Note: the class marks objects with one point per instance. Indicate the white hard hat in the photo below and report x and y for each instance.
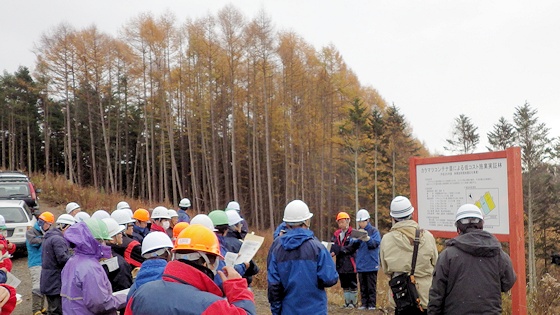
(233, 205)
(156, 240)
(160, 212)
(66, 219)
(129, 211)
(2, 221)
(468, 211)
(296, 211)
(401, 207)
(185, 203)
(362, 215)
(172, 213)
(203, 219)
(123, 205)
(81, 216)
(122, 216)
(113, 226)
(71, 207)
(100, 214)
(233, 217)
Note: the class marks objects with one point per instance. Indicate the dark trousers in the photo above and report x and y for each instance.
(55, 305)
(348, 281)
(368, 288)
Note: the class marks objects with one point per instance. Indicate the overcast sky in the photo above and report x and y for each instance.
(434, 60)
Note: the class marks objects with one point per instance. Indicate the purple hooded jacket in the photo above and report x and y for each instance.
(85, 286)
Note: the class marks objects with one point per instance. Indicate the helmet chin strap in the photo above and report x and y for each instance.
(196, 256)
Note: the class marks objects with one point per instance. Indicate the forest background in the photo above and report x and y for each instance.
(226, 108)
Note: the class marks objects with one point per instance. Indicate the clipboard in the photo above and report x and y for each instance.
(357, 233)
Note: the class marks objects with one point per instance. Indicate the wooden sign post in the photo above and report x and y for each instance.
(492, 181)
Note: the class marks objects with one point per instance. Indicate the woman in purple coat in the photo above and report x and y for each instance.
(85, 286)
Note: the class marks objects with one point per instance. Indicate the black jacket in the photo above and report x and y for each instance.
(470, 275)
(55, 254)
(345, 251)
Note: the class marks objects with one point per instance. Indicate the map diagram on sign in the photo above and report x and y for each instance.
(486, 200)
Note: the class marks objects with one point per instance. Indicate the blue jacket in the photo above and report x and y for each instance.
(240, 268)
(139, 233)
(183, 216)
(279, 228)
(299, 270)
(56, 253)
(367, 256)
(151, 270)
(34, 242)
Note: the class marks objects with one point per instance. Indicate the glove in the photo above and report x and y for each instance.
(364, 238)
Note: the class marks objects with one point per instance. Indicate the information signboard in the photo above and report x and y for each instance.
(442, 188)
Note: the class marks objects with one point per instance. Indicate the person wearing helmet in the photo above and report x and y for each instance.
(367, 260)
(234, 205)
(85, 286)
(174, 220)
(100, 214)
(121, 276)
(81, 216)
(130, 248)
(123, 205)
(72, 208)
(395, 250)
(160, 219)
(156, 249)
(6, 247)
(232, 243)
(472, 270)
(344, 248)
(55, 254)
(187, 285)
(299, 267)
(140, 229)
(204, 220)
(177, 229)
(184, 206)
(33, 242)
(220, 221)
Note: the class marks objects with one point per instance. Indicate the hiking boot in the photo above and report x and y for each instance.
(371, 308)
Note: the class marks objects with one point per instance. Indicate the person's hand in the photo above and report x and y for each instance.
(4, 296)
(228, 273)
(363, 238)
(332, 254)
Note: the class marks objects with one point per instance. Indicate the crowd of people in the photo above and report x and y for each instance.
(164, 262)
(466, 278)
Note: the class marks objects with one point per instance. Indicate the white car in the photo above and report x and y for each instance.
(18, 220)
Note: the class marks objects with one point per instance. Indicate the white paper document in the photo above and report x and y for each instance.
(251, 245)
(125, 292)
(327, 245)
(12, 280)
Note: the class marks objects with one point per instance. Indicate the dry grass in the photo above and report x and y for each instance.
(58, 191)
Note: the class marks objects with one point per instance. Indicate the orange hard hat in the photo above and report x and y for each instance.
(178, 228)
(47, 217)
(141, 215)
(198, 238)
(342, 215)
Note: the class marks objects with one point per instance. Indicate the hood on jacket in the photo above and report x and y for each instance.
(477, 243)
(52, 232)
(83, 241)
(408, 230)
(295, 237)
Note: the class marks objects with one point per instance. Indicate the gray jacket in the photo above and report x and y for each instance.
(470, 275)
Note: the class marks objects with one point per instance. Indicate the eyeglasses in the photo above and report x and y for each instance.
(470, 220)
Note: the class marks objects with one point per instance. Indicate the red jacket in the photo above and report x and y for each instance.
(8, 308)
(186, 290)
(7, 263)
